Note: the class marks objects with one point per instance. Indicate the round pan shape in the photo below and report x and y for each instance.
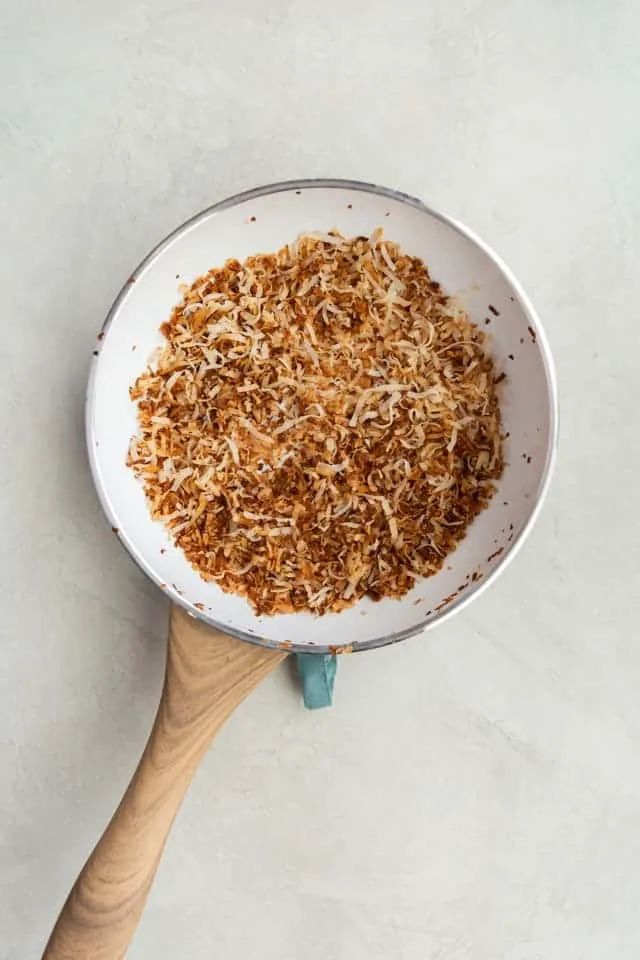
(263, 220)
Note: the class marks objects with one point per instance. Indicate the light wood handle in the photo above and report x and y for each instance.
(207, 675)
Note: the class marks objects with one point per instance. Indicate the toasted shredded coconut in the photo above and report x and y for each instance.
(322, 424)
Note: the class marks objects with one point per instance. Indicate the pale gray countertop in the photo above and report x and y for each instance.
(474, 793)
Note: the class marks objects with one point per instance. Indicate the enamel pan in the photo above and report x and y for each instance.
(263, 220)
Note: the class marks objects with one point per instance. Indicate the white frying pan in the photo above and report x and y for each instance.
(207, 673)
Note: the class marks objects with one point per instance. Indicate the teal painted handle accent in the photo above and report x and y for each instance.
(317, 675)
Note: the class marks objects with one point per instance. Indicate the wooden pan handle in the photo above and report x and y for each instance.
(207, 675)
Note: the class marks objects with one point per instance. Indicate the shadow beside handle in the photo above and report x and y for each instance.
(207, 675)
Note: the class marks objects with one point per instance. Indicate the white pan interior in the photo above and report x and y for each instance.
(261, 221)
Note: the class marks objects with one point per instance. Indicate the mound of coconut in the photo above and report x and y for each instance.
(322, 424)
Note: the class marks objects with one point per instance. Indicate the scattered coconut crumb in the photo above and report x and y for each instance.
(321, 425)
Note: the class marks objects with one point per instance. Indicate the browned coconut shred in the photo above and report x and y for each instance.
(321, 425)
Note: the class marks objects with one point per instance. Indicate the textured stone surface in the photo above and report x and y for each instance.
(474, 793)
